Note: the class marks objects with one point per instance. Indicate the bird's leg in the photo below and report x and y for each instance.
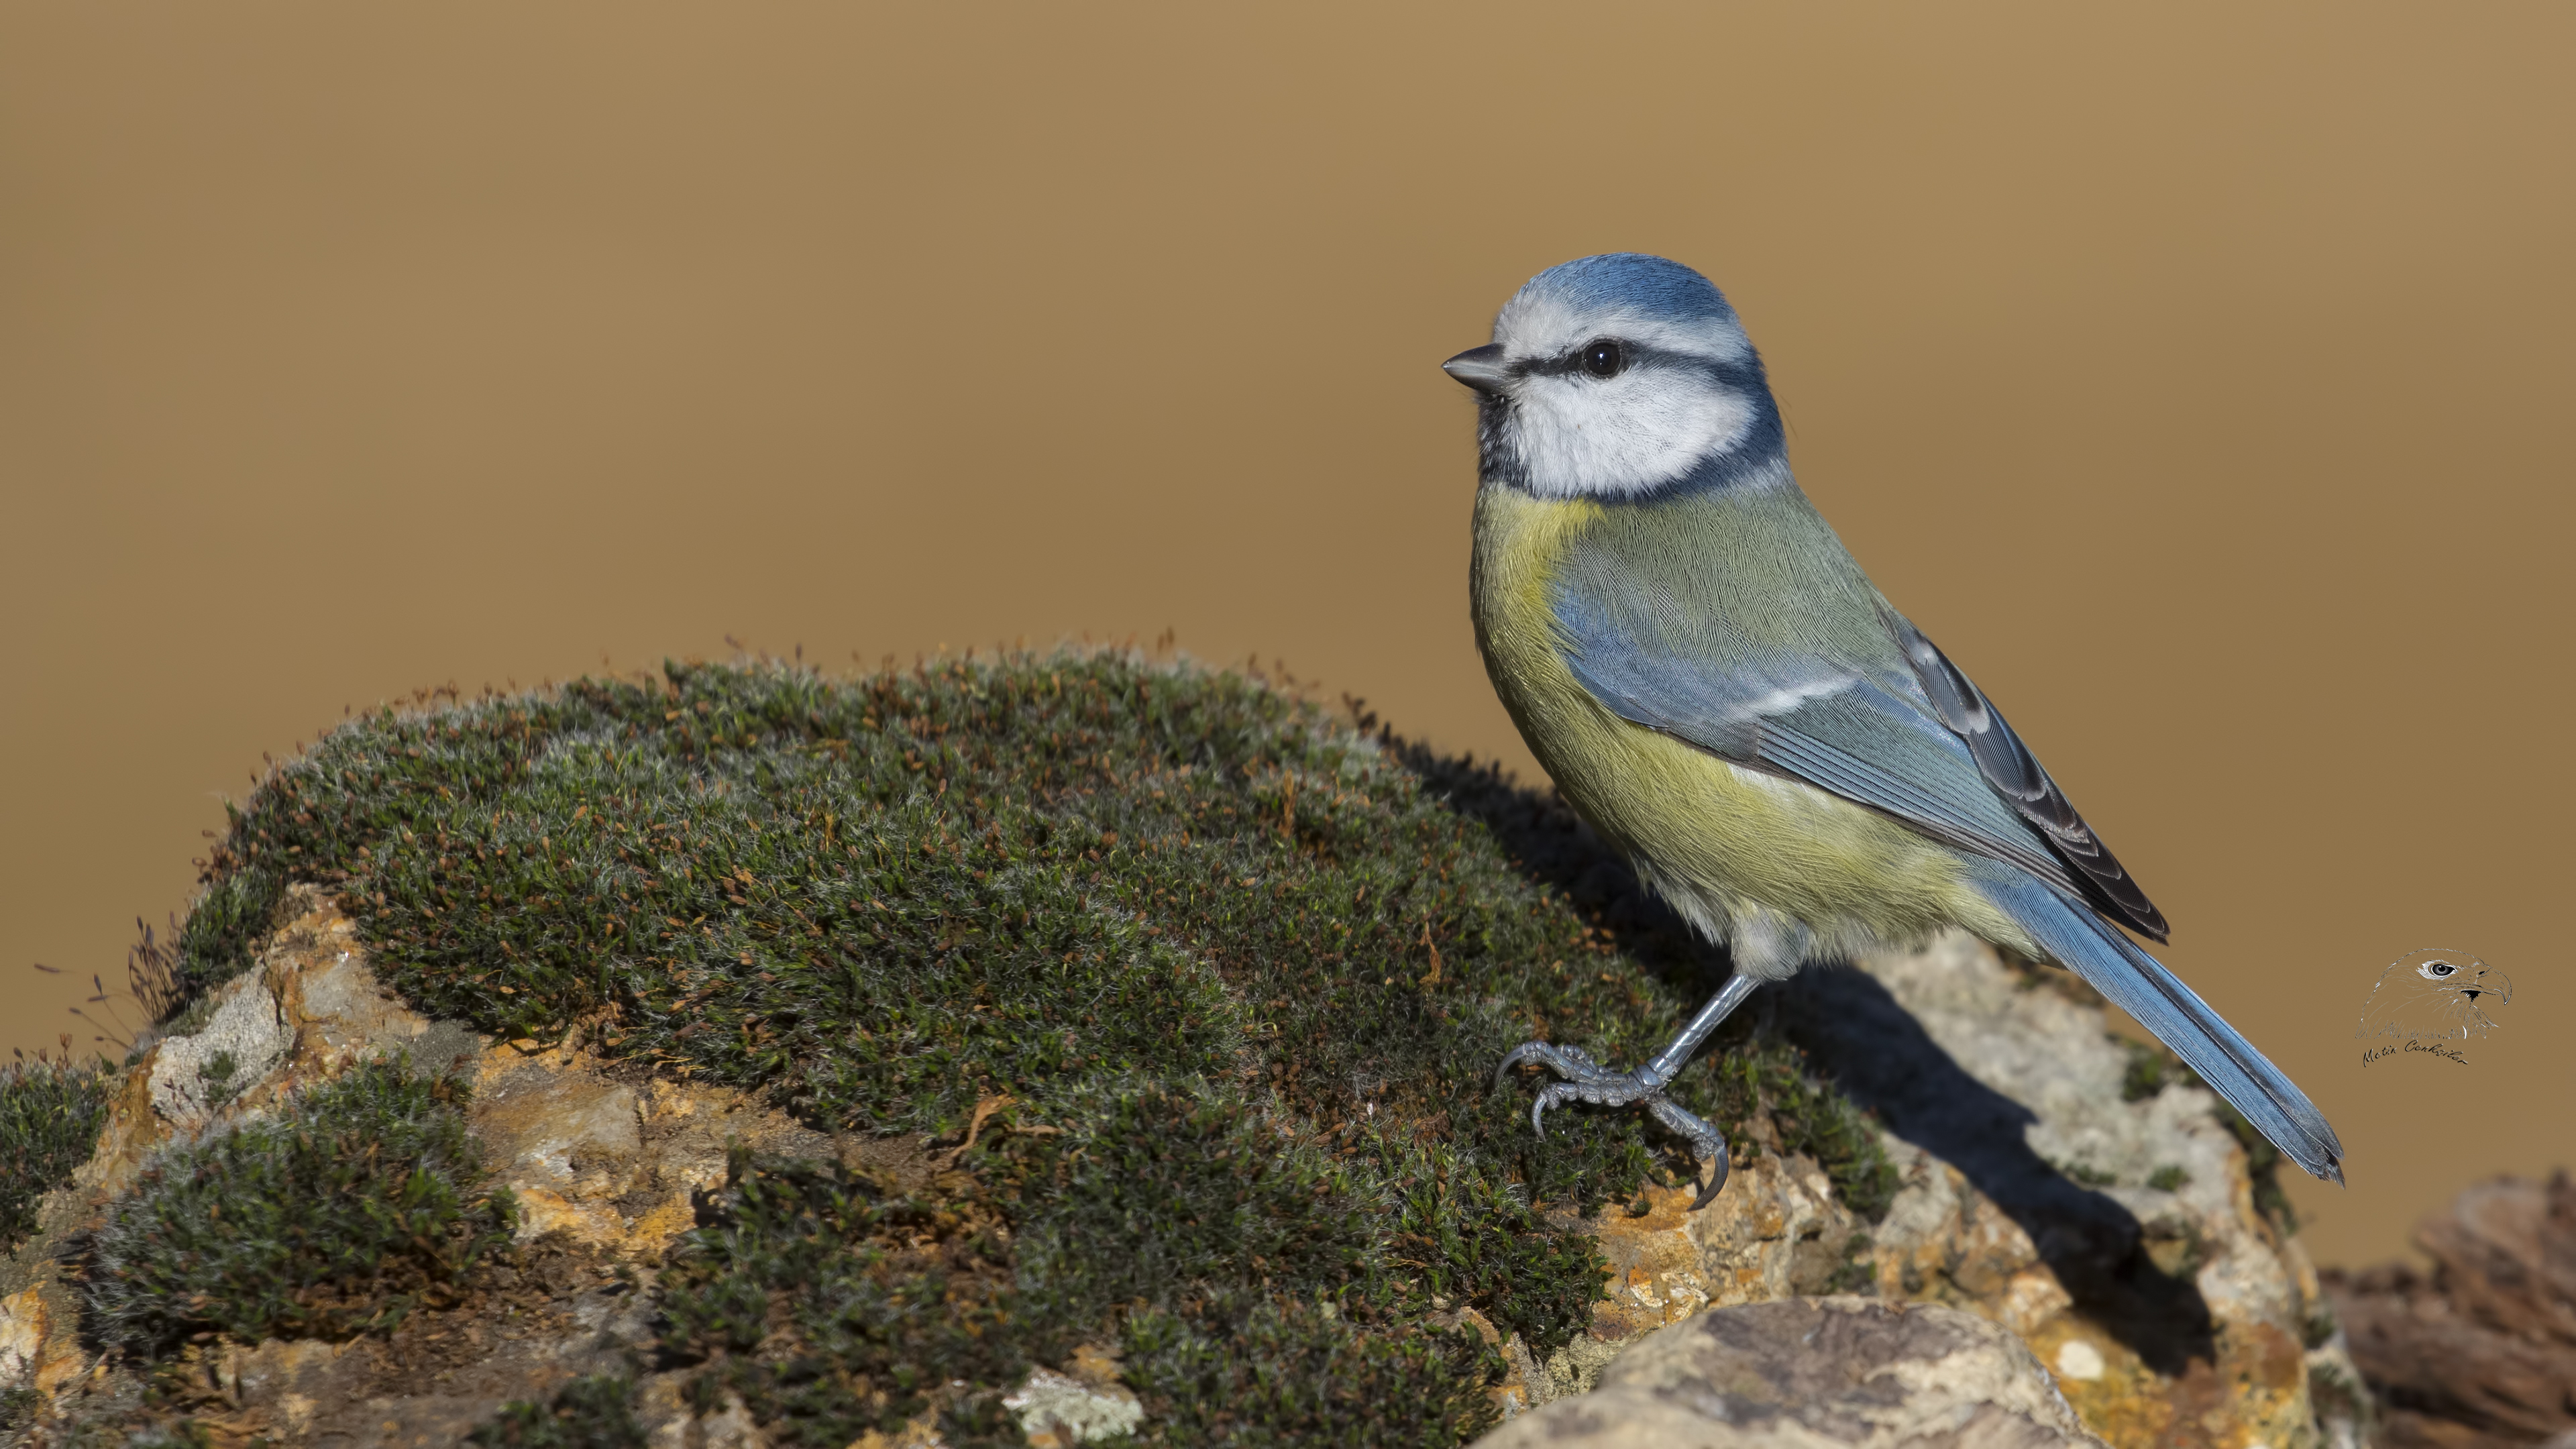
(1588, 1081)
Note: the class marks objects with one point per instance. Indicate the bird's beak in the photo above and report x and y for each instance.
(1480, 368)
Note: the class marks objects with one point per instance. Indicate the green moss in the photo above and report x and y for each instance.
(218, 1077)
(238, 906)
(833, 1307)
(50, 1115)
(2169, 1178)
(2148, 1071)
(1227, 947)
(1858, 1271)
(2262, 1166)
(1268, 1371)
(337, 1216)
(1758, 1076)
(2084, 1174)
(2152, 1068)
(596, 1411)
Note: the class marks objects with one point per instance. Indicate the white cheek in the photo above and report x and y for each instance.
(1623, 436)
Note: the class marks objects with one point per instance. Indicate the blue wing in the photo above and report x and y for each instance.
(2139, 984)
(1885, 721)
(1869, 710)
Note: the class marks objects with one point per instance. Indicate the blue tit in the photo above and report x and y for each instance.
(1722, 694)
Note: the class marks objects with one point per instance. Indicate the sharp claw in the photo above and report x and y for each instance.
(1706, 1145)
(1716, 1180)
(1588, 1081)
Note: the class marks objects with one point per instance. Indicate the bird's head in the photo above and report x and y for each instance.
(1620, 376)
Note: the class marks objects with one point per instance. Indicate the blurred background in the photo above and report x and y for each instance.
(2196, 374)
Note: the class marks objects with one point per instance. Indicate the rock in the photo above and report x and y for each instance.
(2482, 1350)
(1057, 1411)
(606, 1163)
(605, 1173)
(1810, 1373)
(23, 1322)
(2118, 1238)
(236, 1048)
(261, 1021)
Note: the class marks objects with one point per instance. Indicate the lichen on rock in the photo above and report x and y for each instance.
(2034, 1192)
(1813, 1373)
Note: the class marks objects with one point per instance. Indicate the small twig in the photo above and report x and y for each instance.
(983, 1109)
(975, 1126)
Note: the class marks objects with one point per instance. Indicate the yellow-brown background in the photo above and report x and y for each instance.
(2198, 375)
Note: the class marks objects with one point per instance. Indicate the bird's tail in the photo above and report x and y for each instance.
(2141, 986)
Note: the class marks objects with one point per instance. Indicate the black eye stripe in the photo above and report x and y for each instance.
(1743, 376)
(1633, 357)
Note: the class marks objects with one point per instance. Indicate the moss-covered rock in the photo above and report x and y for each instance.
(50, 1115)
(882, 902)
(1197, 989)
(356, 1203)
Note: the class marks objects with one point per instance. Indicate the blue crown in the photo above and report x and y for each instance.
(1635, 280)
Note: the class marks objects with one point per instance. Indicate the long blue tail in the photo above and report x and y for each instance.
(2141, 986)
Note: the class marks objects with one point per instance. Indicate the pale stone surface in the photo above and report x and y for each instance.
(1056, 1411)
(246, 1027)
(1819, 1373)
(602, 1164)
(2026, 1199)
(23, 1320)
(729, 1427)
(608, 1165)
(2172, 1315)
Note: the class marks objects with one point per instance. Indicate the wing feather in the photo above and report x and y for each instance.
(1893, 725)
(2017, 776)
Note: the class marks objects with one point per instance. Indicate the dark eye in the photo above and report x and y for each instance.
(2439, 968)
(1605, 358)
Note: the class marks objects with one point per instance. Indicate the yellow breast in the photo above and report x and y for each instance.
(1745, 855)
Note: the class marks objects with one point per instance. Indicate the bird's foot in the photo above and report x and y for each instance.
(1586, 1080)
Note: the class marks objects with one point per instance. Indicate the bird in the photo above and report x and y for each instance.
(1716, 687)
